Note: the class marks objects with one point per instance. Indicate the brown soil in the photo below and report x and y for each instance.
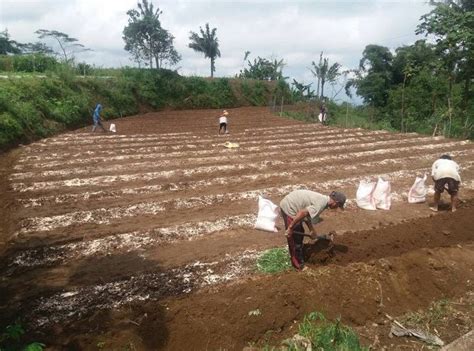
(152, 260)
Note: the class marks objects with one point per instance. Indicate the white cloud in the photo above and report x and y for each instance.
(294, 30)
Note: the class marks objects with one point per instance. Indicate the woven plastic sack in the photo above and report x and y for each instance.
(112, 128)
(382, 194)
(365, 195)
(267, 215)
(417, 193)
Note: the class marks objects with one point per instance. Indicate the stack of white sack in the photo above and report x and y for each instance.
(374, 195)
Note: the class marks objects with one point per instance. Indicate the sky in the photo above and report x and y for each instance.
(293, 30)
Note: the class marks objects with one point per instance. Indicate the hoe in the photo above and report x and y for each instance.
(329, 236)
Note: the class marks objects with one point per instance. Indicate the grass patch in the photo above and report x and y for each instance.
(324, 335)
(327, 335)
(274, 261)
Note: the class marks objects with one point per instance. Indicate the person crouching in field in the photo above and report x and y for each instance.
(445, 174)
(96, 118)
(305, 206)
(223, 122)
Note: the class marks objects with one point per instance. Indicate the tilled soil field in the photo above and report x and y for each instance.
(144, 240)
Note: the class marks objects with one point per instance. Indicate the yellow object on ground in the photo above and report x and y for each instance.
(230, 145)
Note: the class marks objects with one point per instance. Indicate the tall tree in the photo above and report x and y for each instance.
(69, 46)
(207, 44)
(325, 73)
(419, 55)
(145, 38)
(374, 77)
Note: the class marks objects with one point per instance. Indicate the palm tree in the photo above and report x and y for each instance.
(325, 73)
(207, 44)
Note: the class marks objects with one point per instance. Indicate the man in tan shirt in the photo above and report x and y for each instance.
(305, 206)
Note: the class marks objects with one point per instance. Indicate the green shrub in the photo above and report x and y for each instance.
(10, 129)
(255, 92)
(6, 63)
(33, 63)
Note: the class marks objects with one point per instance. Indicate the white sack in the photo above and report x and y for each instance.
(418, 191)
(320, 117)
(382, 194)
(112, 128)
(364, 197)
(267, 215)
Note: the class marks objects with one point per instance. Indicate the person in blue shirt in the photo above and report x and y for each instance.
(97, 119)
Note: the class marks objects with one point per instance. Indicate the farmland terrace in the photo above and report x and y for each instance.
(145, 237)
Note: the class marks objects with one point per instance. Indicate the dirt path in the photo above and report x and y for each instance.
(146, 237)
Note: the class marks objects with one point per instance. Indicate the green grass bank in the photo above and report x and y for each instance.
(36, 106)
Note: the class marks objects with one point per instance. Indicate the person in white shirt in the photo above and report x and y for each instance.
(223, 122)
(445, 174)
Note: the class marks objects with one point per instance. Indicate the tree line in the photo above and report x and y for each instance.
(425, 86)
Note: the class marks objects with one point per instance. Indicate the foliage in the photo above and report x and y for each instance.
(256, 92)
(424, 87)
(68, 45)
(274, 261)
(11, 340)
(374, 76)
(452, 25)
(36, 48)
(27, 63)
(301, 90)
(84, 69)
(146, 39)
(8, 46)
(207, 43)
(264, 69)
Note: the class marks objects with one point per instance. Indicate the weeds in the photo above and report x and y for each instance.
(11, 340)
(274, 261)
(327, 335)
(435, 314)
(324, 335)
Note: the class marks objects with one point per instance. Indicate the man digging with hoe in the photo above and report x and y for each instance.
(305, 206)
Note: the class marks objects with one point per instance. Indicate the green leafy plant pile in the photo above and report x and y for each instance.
(274, 261)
